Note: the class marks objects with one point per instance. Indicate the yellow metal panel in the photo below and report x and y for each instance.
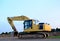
(47, 27)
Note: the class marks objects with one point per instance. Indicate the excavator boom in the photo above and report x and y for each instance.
(16, 18)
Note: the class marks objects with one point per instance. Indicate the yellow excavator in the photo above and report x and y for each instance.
(31, 29)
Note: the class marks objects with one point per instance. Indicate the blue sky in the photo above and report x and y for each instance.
(47, 11)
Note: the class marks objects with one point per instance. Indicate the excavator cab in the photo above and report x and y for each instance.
(27, 24)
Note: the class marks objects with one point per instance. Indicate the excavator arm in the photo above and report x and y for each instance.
(16, 18)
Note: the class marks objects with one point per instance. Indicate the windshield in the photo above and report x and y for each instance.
(27, 24)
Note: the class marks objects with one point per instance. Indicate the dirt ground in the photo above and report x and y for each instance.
(16, 39)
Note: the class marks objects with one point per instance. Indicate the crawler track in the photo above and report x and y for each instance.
(32, 35)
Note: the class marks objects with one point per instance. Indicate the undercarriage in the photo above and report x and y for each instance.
(33, 35)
